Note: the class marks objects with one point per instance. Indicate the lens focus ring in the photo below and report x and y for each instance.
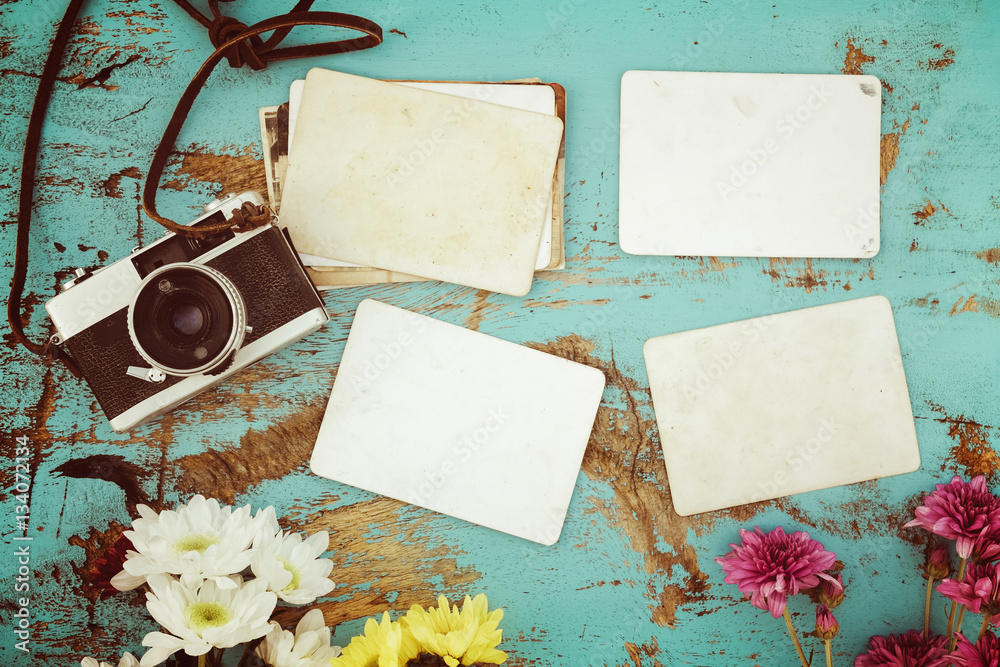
(187, 319)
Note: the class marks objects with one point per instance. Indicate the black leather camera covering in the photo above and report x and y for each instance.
(267, 274)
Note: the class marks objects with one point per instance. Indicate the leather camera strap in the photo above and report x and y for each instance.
(241, 46)
(26, 195)
(233, 40)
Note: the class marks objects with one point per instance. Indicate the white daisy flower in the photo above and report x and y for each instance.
(204, 617)
(200, 540)
(308, 647)
(292, 567)
(128, 660)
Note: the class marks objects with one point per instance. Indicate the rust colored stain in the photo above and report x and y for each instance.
(806, 277)
(398, 32)
(889, 150)
(969, 306)
(235, 173)
(94, 547)
(112, 185)
(947, 59)
(382, 559)
(261, 455)
(622, 455)
(481, 306)
(913, 246)
(972, 453)
(889, 153)
(992, 255)
(643, 655)
(707, 265)
(855, 59)
(559, 304)
(924, 213)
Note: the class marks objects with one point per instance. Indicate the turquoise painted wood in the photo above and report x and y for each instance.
(629, 583)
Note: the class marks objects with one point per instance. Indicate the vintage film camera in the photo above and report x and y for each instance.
(182, 314)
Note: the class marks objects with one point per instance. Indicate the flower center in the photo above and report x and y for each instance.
(203, 615)
(195, 542)
(296, 576)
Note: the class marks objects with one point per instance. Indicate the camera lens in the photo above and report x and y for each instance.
(187, 319)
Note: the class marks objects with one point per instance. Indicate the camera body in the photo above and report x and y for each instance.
(182, 314)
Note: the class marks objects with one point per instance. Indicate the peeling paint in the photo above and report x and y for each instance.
(947, 59)
(261, 455)
(972, 453)
(922, 214)
(112, 185)
(991, 255)
(855, 59)
(806, 277)
(235, 170)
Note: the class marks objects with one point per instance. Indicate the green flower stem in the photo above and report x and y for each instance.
(795, 639)
(982, 628)
(954, 605)
(829, 654)
(927, 609)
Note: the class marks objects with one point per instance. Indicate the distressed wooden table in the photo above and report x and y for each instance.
(630, 582)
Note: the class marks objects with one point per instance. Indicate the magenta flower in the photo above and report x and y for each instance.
(984, 653)
(988, 545)
(979, 590)
(909, 650)
(826, 625)
(768, 567)
(938, 565)
(962, 511)
(831, 591)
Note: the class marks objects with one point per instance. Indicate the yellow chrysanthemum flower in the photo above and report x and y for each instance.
(382, 645)
(462, 637)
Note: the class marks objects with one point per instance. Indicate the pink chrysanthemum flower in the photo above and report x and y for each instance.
(984, 653)
(909, 650)
(938, 565)
(768, 567)
(959, 510)
(826, 625)
(988, 545)
(979, 590)
(831, 591)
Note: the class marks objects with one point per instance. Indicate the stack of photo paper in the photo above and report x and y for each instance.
(405, 181)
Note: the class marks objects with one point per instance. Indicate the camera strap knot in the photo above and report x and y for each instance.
(250, 216)
(223, 29)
